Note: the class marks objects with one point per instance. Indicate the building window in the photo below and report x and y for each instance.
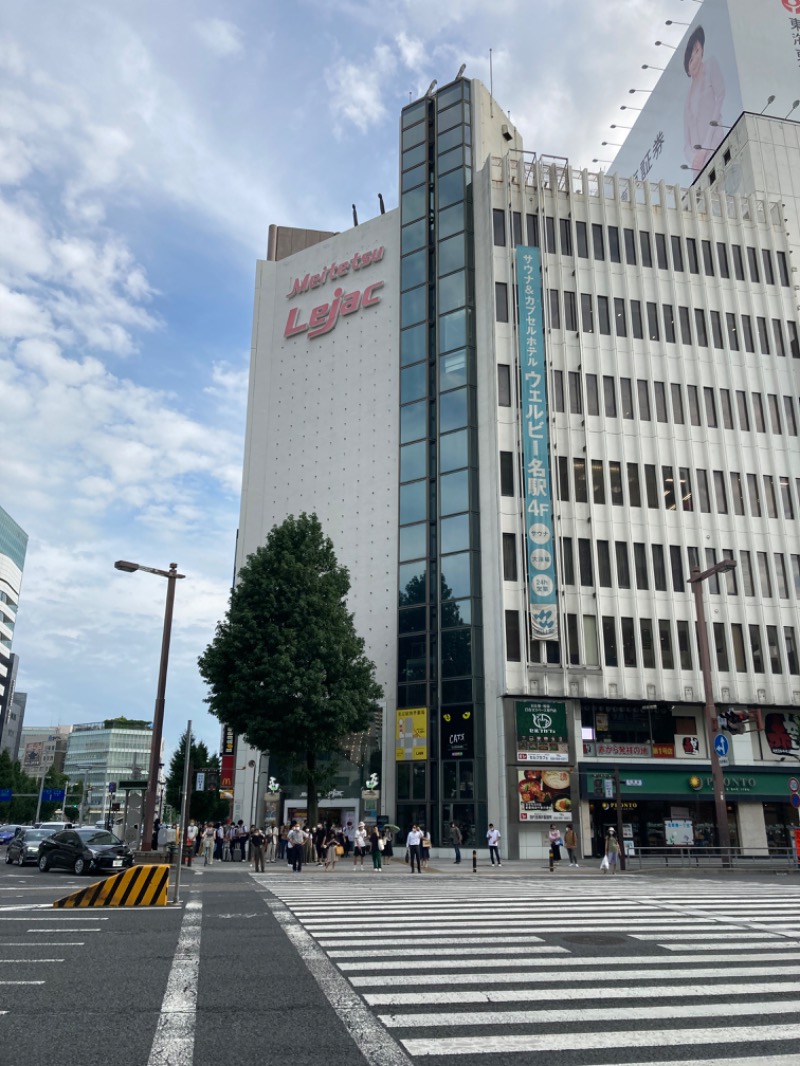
(648, 648)
(668, 481)
(677, 253)
(661, 252)
(582, 242)
(563, 478)
(763, 575)
(685, 645)
(603, 565)
(652, 321)
(628, 642)
(643, 395)
(716, 329)
(708, 259)
(783, 269)
(555, 308)
(509, 557)
(499, 227)
(727, 408)
(737, 639)
(775, 664)
(504, 385)
(733, 336)
(630, 247)
(788, 411)
(719, 490)
(685, 476)
(660, 394)
(746, 569)
(653, 500)
(532, 228)
(613, 245)
(615, 479)
(737, 496)
(752, 262)
(669, 323)
(501, 301)
(756, 653)
(722, 259)
(636, 320)
(691, 255)
(573, 644)
(747, 329)
(786, 498)
(665, 643)
(626, 397)
(777, 332)
(640, 566)
(758, 413)
(558, 391)
(550, 234)
(513, 642)
(780, 575)
(677, 404)
(769, 496)
(790, 639)
(659, 568)
(676, 566)
(610, 654)
(769, 273)
(700, 327)
(711, 408)
(634, 491)
(592, 396)
(579, 478)
(597, 241)
(587, 315)
(565, 233)
(738, 262)
(598, 482)
(763, 335)
(623, 565)
(570, 311)
(603, 317)
(516, 224)
(694, 405)
(575, 399)
(506, 474)
(620, 323)
(686, 324)
(568, 561)
(702, 491)
(721, 647)
(646, 248)
(609, 396)
(754, 495)
(741, 406)
(585, 562)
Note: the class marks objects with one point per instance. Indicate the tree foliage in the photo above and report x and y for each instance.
(203, 806)
(286, 667)
(25, 792)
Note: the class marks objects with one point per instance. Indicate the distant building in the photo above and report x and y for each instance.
(12, 710)
(13, 545)
(100, 754)
(42, 747)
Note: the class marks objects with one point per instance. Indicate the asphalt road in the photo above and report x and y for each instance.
(514, 966)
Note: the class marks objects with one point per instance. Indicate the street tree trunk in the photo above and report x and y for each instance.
(312, 801)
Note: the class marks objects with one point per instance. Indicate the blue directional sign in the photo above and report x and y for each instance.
(52, 795)
(5, 795)
(721, 745)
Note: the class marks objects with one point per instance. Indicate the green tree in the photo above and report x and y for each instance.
(203, 806)
(286, 667)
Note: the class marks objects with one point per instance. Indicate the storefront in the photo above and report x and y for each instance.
(655, 800)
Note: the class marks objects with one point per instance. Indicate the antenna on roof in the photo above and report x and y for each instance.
(355, 215)
(431, 87)
(380, 201)
(461, 70)
(491, 87)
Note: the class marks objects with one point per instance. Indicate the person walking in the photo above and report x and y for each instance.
(209, 844)
(271, 845)
(612, 850)
(257, 842)
(493, 839)
(571, 844)
(456, 840)
(349, 837)
(283, 842)
(414, 845)
(554, 836)
(319, 842)
(359, 845)
(189, 842)
(334, 848)
(297, 845)
(388, 846)
(425, 848)
(376, 847)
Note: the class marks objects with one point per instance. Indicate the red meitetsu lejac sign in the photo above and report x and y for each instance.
(324, 317)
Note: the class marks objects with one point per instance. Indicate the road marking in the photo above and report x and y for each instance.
(545, 977)
(50, 944)
(702, 936)
(74, 929)
(581, 961)
(756, 945)
(479, 1045)
(372, 1040)
(21, 982)
(569, 1017)
(413, 941)
(523, 995)
(749, 1060)
(173, 1042)
(402, 953)
(50, 918)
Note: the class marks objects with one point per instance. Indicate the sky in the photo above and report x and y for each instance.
(145, 148)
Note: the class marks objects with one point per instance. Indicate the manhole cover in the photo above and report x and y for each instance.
(593, 938)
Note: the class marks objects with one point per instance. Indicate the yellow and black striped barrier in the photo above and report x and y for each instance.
(138, 886)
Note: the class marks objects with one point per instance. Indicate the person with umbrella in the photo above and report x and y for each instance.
(389, 831)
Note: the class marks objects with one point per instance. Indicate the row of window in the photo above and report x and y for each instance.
(627, 318)
(645, 570)
(653, 644)
(607, 242)
(632, 399)
(691, 490)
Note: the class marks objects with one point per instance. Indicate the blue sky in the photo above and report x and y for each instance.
(144, 150)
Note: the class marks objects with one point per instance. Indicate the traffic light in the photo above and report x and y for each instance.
(212, 781)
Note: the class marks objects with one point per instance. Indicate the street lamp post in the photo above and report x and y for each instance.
(696, 579)
(172, 576)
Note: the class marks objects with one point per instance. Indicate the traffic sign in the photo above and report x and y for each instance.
(721, 747)
(5, 795)
(795, 800)
(794, 784)
(112, 787)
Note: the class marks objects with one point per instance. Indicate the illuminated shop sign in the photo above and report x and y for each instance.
(539, 544)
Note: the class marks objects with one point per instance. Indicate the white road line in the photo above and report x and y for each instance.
(612, 961)
(612, 1040)
(529, 922)
(73, 929)
(571, 1018)
(20, 962)
(402, 953)
(756, 945)
(53, 918)
(749, 1060)
(372, 1040)
(173, 1042)
(623, 992)
(34, 944)
(708, 935)
(552, 976)
(21, 982)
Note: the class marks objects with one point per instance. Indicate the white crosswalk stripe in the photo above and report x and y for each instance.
(638, 970)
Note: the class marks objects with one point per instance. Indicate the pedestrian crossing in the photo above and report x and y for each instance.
(594, 973)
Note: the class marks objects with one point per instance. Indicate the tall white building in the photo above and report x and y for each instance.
(13, 546)
(525, 405)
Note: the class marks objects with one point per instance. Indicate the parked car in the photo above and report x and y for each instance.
(8, 832)
(24, 847)
(85, 851)
(54, 827)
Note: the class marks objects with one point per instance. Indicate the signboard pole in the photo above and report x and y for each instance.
(618, 802)
(187, 756)
(39, 802)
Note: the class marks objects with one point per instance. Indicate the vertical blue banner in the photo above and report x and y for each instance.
(539, 544)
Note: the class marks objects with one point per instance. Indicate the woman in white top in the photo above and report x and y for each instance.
(359, 846)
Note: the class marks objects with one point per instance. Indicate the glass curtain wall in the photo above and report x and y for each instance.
(440, 645)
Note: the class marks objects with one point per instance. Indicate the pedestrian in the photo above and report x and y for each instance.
(571, 844)
(209, 842)
(219, 841)
(154, 840)
(162, 837)
(257, 842)
(359, 846)
(297, 845)
(319, 843)
(283, 842)
(349, 837)
(228, 842)
(191, 840)
(334, 848)
(425, 848)
(388, 846)
(611, 851)
(554, 836)
(272, 843)
(455, 840)
(414, 847)
(493, 838)
(376, 846)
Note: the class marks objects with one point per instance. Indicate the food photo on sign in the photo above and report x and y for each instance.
(544, 795)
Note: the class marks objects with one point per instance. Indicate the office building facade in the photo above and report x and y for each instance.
(568, 390)
(13, 547)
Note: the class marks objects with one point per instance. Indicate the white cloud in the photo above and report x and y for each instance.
(219, 36)
(355, 89)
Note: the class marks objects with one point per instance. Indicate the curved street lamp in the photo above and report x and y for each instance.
(172, 576)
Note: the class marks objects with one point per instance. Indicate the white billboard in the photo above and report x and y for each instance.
(734, 57)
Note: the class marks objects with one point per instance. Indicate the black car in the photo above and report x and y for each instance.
(85, 851)
(25, 845)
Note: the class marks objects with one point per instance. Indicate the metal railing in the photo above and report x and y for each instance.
(713, 858)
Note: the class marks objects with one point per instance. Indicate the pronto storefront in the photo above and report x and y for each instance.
(760, 810)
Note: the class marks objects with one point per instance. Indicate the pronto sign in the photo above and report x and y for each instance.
(324, 317)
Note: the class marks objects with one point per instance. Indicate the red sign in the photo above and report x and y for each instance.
(226, 773)
(663, 751)
(324, 317)
(792, 6)
(797, 842)
(335, 270)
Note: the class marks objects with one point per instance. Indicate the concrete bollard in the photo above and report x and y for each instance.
(474, 861)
